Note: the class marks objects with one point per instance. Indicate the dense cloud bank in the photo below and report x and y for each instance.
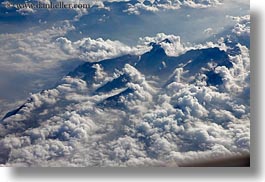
(160, 103)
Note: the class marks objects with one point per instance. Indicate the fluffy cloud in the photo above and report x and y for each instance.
(242, 27)
(183, 122)
(170, 43)
(154, 6)
(97, 49)
(138, 7)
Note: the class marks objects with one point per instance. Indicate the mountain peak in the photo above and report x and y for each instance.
(156, 49)
(154, 44)
(166, 41)
(152, 59)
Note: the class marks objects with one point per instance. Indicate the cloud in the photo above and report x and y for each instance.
(242, 27)
(173, 47)
(202, 3)
(97, 49)
(26, 11)
(32, 51)
(157, 5)
(138, 7)
(94, 50)
(182, 120)
(34, 57)
(209, 31)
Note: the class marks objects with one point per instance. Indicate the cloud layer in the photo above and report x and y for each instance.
(128, 117)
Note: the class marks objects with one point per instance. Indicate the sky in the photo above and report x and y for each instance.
(204, 120)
